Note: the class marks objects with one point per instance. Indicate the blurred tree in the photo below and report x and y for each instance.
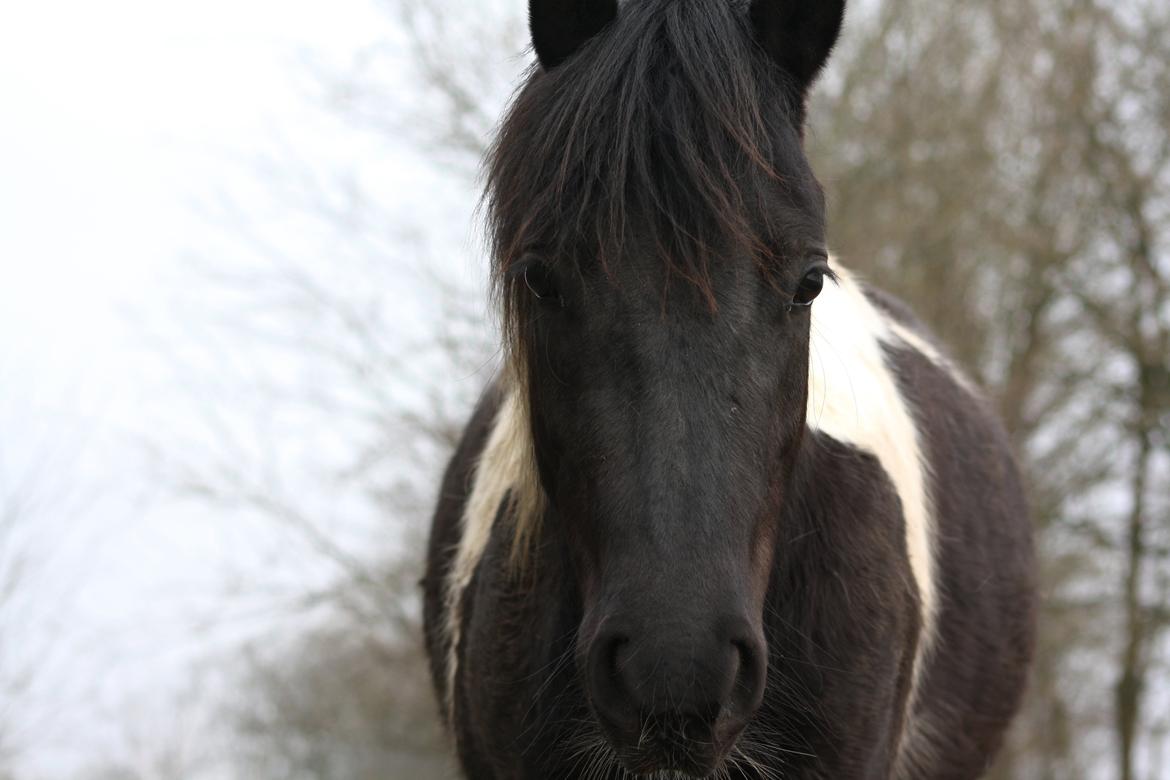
(1002, 166)
(40, 492)
(15, 673)
(171, 738)
(1123, 287)
(341, 705)
(336, 685)
(341, 353)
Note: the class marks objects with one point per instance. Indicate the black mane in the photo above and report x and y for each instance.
(672, 120)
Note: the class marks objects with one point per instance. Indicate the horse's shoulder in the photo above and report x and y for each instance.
(912, 334)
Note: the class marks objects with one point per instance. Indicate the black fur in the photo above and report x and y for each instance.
(560, 27)
(713, 586)
(798, 34)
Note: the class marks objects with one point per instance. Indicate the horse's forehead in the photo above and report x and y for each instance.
(652, 281)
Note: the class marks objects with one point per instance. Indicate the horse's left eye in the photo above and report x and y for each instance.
(810, 286)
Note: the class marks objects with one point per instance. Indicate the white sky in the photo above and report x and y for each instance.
(115, 116)
(117, 119)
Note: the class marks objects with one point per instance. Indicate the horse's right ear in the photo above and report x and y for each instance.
(798, 34)
(560, 27)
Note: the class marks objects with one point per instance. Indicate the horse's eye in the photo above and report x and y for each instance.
(538, 278)
(810, 285)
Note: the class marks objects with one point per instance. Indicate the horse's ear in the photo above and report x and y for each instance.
(799, 34)
(560, 27)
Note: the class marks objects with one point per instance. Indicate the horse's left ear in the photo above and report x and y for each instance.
(560, 27)
(799, 34)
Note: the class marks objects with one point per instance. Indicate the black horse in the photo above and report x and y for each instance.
(702, 525)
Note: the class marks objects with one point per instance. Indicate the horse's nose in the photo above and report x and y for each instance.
(702, 685)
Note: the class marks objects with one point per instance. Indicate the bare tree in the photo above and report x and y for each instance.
(1002, 166)
(40, 494)
(15, 673)
(337, 686)
(170, 737)
(325, 395)
(1128, 156)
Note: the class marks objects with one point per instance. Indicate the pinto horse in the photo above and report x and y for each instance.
(726, 511)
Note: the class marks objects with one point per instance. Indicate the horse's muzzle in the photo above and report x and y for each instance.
(682, 744)
(674, 698)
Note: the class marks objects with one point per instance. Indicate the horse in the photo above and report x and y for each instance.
(726, 510)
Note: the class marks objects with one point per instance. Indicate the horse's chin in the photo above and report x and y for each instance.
(657, 768)
(654, 754)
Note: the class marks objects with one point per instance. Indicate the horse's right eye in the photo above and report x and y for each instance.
(539, 280)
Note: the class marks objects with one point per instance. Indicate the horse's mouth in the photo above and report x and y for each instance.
(676, 748)
(687, 765)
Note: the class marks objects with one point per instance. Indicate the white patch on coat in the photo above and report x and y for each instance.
(505, 469)
(854, 398)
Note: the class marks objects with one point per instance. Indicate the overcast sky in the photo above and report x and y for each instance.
(119, 122)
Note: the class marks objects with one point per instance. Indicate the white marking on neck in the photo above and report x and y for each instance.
(853, 397)
(505, 466)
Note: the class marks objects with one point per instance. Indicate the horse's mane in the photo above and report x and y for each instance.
(671, 120)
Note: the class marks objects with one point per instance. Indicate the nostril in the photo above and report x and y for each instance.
(614, 655)
(606, 681)
(744, 653)
(750, 676)
(697, 729)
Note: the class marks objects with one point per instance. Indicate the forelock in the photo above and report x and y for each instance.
(666, 128)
